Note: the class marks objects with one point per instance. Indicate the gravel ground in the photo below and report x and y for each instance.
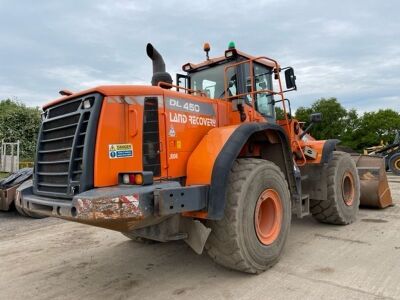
(54, 259)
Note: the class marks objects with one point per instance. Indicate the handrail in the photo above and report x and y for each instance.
(252, 92)
(250, 62)
(161, 83)
(302, 153)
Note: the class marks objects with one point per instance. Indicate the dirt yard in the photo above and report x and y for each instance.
(53, 259)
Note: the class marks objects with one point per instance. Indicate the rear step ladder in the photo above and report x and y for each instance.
(302, 201)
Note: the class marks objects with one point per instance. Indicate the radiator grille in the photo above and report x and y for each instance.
(65, 145)
(151, 137)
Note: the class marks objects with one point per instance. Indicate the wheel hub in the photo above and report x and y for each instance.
(348, 188)
(397, 164)
(268, 216)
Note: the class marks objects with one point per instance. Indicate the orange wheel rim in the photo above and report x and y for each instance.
(268, 216)
(348, 188)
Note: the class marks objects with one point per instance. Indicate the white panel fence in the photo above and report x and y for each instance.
(9, 157)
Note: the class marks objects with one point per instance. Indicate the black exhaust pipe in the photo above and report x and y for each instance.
(159, 73)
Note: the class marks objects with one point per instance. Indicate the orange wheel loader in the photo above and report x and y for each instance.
(203, 160)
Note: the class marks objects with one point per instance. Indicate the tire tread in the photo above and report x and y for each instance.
(328, 211)
(223, 245)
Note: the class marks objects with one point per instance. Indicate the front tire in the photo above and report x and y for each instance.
(251, 235)
(342, 205)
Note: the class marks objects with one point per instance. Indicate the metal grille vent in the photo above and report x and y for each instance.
(151, 137)
(66, 144)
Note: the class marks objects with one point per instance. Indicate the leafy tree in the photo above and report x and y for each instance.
(354, 131)
(376, 126)
(334, 116)
(279, 113)
(18, 122)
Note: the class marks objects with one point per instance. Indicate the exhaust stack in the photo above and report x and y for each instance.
(159, 73)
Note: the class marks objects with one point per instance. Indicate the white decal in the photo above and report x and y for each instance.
(172, 132)
(173, 156)
(120, 150)
(186, 106)
(177, 118)
(193, 120)
(195, 107)
(133, 200)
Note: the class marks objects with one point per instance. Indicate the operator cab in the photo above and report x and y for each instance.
(230, 78)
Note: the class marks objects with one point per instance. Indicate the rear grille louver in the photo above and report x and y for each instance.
(151, 137)
(66, 144)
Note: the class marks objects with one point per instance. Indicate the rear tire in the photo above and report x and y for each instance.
(20, 210)
(246, 240)
(342, 205)
(394, 164)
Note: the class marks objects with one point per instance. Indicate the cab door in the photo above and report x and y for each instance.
(264, 102)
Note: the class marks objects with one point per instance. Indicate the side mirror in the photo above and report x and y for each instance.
(290, 78)
(316, 118)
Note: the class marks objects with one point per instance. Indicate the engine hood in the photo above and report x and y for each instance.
(112, 90)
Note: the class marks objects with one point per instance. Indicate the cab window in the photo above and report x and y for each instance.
(263, 81)
(211, 81)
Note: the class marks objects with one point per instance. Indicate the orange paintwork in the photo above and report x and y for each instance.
(297, 144)
(112, 90)
(268, 216)
(182, 136)
(201, 162)
(192, 128)
(116, 128)
(121, 123)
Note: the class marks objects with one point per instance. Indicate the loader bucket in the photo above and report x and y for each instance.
(374, 186)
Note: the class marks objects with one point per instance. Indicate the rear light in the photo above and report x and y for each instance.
(125, 179)
(139, 178)
(128, 179)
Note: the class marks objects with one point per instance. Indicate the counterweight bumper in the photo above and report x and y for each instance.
(122, 207)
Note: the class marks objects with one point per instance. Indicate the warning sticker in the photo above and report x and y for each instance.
(120, 150)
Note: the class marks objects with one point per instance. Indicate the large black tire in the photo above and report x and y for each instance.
(20, 210)
(394, 163)
(233, 241)
(343, 184)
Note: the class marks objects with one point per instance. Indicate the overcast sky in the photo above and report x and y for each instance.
(344, 49)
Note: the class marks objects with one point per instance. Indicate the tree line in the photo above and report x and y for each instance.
(354, 130)
(19, 122)
(357, 131)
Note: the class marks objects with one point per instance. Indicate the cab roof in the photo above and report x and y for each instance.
(215, 60)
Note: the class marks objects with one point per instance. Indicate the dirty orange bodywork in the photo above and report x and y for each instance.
(193, 128)
(189, 144)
